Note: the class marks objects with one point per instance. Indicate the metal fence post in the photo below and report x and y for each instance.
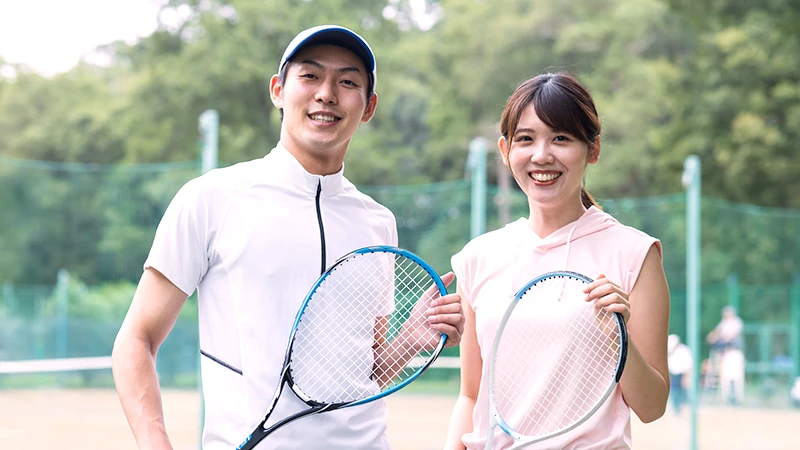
(209, 139)
(794, 325)
(692, 182)
(477, 163)
(208, 125)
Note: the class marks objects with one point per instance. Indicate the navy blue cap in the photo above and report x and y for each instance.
(333, 35)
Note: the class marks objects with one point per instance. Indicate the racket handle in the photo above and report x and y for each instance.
(490, 434)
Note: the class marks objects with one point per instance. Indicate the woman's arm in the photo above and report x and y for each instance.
(645, 381)
(471, 364)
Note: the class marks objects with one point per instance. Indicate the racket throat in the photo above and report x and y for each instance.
(262, 431)
(307, 412)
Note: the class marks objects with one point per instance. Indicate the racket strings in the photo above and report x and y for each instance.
(335, 356)
(413, 296)
(556, 358)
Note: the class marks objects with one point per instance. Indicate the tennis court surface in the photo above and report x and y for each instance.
(72, 419)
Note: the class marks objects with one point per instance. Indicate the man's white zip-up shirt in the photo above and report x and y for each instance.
(252, 239)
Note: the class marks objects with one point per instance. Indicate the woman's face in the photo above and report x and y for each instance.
(548, 165)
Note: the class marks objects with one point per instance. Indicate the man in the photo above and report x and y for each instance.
(679, 360)
(252, 239)
(728, 332)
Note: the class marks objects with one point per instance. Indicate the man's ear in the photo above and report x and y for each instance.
(372, 104)
(594, 151)
(502, 144)
(276, 91)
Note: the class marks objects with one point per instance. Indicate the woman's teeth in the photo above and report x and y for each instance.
(544, 177)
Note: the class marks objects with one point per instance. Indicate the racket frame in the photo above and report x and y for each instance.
(495, 420)
(286, 378)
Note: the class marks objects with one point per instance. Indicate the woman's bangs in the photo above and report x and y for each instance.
(559, 111)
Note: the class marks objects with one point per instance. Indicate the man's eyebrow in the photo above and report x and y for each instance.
(311, 62)
(350, 69)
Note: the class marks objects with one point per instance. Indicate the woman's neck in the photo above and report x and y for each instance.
(546, 220)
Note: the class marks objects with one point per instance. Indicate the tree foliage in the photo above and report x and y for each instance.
(720, 79)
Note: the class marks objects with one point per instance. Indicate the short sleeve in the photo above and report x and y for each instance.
(460, 262)
(392, 235)
(180, 247)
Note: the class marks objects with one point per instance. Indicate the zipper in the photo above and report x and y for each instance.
(321, 227)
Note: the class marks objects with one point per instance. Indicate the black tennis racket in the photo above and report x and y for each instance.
(356, 333)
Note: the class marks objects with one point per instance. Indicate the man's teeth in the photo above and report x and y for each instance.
(322, 118)
(543, 177)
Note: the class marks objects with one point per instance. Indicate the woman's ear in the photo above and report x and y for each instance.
(594, 151)
(502, 144)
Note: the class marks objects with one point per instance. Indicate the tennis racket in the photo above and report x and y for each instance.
(555, 359)
(356, 332)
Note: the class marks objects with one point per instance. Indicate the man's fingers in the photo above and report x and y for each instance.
(453, 334)
(449, 308)
(448, 278)
(433, 291)
(449, 299)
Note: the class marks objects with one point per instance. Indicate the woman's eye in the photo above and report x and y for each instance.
(562, 138)
(524, 138)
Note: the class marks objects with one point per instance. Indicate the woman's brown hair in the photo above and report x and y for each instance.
(562, 103)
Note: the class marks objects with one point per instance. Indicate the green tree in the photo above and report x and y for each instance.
(736, 100)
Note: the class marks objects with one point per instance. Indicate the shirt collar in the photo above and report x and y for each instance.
(288, 170)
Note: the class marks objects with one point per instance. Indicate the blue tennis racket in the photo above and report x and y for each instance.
(360, 334)
(554, 361)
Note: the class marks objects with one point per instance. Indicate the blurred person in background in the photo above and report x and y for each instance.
(727, 355)
(680, 362)
(794, 394)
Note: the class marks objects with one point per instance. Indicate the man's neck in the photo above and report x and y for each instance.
(314, 163)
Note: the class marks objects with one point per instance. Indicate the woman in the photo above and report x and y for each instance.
(550, 133)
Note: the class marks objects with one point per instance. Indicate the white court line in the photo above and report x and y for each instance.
(55, 365)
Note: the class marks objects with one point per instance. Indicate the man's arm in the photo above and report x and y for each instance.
(151, 316)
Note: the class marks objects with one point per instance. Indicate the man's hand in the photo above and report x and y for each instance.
(444, 314)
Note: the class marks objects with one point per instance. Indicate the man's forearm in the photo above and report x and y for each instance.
(139, 392)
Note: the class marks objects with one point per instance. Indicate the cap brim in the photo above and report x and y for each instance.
(339, 37)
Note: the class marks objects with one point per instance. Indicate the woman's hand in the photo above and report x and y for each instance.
(608, 296)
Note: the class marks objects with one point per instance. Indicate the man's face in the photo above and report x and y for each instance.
(324, 99)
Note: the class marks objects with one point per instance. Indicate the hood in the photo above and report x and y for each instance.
(592, 221)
